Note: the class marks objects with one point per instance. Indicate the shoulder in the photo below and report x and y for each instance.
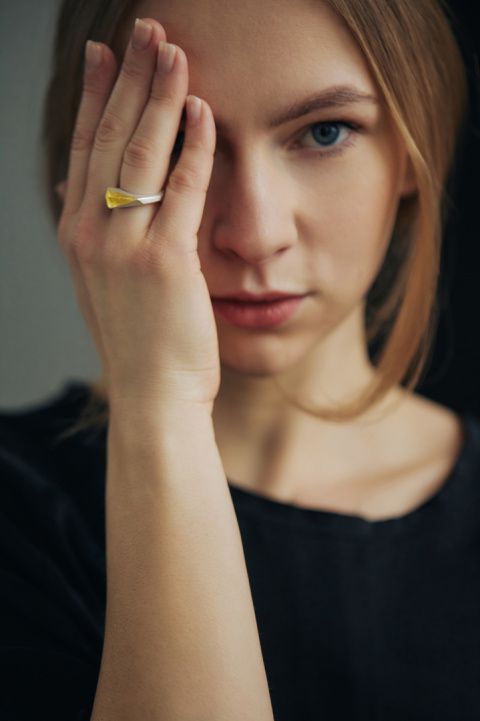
(52, 563)
(43, 470)
(52, 506)
(432, 435)
(418, 446)
(43, 430)
(48, 418)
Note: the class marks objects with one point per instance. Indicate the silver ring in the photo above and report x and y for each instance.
(118, 198)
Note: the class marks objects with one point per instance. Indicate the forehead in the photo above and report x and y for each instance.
(245, 55)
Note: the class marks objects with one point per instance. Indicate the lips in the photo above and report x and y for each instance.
(247, 310)
(258, 298)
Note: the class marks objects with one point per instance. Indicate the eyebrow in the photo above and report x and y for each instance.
(336, 96)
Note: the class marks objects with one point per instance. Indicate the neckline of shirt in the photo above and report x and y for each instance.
(435, 511)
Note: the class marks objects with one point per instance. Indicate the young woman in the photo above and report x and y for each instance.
(272, 524)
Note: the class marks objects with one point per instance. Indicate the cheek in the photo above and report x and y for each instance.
(355, 220)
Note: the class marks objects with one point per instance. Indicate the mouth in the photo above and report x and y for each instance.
(247, 310)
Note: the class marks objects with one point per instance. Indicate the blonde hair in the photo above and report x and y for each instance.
(414, 57)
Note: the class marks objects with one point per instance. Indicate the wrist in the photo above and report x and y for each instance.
(176, 442)
(151, 411)
(145, 423)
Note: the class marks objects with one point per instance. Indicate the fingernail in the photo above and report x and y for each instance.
(194, 107)
(142, 34)
(166, 57)
(93, 55)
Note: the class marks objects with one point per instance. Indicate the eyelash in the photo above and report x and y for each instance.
(336, 147)
(333, 149)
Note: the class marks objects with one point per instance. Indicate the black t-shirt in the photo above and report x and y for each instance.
(358, 620)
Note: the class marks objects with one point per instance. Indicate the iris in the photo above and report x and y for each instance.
(326, 133)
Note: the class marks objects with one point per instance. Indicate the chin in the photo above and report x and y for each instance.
(255, 369)
(261, 357)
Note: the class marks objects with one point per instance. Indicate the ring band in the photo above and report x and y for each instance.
(118, 198)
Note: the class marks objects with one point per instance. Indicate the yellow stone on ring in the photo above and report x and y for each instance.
(118, 198)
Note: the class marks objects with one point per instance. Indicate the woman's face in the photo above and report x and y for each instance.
(308, 169)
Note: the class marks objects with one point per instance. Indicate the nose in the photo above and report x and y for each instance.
(254, 216)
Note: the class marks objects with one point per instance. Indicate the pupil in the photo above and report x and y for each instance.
(327, 134)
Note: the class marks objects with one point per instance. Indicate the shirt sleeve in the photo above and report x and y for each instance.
(52, 576)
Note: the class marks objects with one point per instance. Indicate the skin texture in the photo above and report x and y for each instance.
(280, 213)
(246, 209)
(285, 213)
(274, 209)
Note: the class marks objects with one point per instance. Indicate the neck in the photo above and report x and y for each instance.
(333, 371)
(258, 429)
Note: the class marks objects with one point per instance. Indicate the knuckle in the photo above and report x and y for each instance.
(84, 245)
(110, 130)
(140, 153)
(165, 94)
(201, 146)
(82, 251)
(131, 71)
(82, 138)
(183, 178)
(91, 88)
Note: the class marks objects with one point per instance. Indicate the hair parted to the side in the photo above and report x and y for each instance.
(413, 55)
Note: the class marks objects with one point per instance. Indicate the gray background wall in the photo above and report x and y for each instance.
(43, 340)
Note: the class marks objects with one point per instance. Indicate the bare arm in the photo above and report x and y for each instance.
(181, 642)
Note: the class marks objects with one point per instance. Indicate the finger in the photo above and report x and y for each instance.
(99, 76)
(178, 218)
(147, 156)
(61, 190)
(124, 108)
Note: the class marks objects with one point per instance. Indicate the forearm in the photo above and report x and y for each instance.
(181, 640)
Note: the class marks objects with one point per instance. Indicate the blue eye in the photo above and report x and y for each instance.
(325, 134)
(328, 134)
